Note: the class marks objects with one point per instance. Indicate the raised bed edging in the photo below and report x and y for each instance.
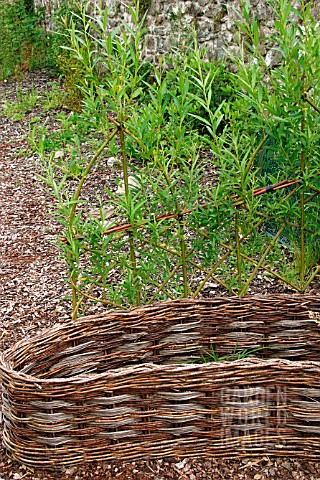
(118, 386)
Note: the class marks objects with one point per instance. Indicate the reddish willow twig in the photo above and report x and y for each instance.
(236, 201)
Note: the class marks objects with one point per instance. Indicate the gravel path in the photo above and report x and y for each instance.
(31, 273)
(31, 298)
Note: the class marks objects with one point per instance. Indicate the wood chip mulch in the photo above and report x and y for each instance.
(32, 297)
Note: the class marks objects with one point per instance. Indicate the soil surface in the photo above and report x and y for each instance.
(32, 297)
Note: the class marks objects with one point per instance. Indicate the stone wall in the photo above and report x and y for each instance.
(170, 23)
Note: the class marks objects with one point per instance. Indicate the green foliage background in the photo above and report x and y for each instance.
(24, 42)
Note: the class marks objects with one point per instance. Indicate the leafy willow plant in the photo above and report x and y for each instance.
(284, 98)
(162, 230)
(114, 79)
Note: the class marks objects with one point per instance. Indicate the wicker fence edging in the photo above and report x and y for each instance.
(123, 386)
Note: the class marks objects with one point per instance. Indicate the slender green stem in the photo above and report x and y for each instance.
(238, 249)
(164, 283)
(249, 259)
(210, 273)
(216, 279)
(86, 172)
(164, 249)
(231, 249)
(133, 258)
(314, 189)
(267, 269)
(163, 290)
(302, 200)
(96, 299)
(310, 280)
(124, 165)
(254, 154)
(75, 311)
(75, 302)
(75, 198)
(313, 105)
(261, 261)
(183, 259)
(181, 234)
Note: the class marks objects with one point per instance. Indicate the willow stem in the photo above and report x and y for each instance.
(183, 259)
(302, 200)
(261, 261)
(312, 277)
(75, 198)
(164, 283)
(86, 172)
(133, 258)
(238, 249)
(216, 279)
(210, 273)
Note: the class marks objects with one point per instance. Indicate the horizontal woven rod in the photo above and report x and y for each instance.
(236, 201)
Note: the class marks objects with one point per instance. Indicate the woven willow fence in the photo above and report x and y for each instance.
(123, 385)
